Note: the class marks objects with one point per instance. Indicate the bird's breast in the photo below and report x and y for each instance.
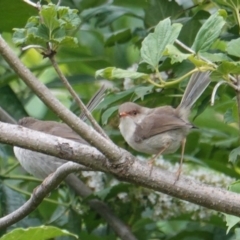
(127, 128)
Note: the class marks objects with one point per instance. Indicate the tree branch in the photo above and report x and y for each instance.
(50, 183)
(76, 98)
(138, 173)
(5, 117)
(109, 149)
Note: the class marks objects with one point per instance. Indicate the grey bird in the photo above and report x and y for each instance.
(41, 165)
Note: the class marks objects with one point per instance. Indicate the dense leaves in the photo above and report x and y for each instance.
(132, 47)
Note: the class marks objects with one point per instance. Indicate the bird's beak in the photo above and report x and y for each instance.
(123, 114)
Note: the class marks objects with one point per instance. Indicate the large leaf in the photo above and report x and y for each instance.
(209, 32)
(14, 15)
(37, 233)
(158, 10)
(175, 54)
(227, 67)
(106, 14)
(15, 109)
(234, 155)
(155, 43)
(233, 47)
(121, 36)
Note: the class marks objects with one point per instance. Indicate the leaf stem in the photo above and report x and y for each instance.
(234, 80)
(29, 194)
(9, 170)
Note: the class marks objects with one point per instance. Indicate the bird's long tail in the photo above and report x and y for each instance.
(196, 86)
(94, 101)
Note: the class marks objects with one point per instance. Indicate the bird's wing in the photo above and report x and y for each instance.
(154, 124)
(54, 128)
(65, 131)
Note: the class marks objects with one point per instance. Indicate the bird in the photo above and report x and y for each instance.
(41, 165)
(161, 130)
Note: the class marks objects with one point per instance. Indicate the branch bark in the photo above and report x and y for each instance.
(138, 173)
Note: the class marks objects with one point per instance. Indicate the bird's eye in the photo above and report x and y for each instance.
(134, 113)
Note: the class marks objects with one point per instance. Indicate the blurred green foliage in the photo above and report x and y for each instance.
(108, 40)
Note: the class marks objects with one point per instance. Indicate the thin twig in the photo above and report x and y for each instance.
(215, 91)
(5, 117)
(33, 46)
(84, 109)
(31, 3)
(179, 43)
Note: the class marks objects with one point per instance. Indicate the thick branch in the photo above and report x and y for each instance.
(50, 183)
(89, 134)
(38, 195)
(138, 173)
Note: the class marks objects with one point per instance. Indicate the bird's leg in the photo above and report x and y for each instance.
(181, 160)
(152, 160)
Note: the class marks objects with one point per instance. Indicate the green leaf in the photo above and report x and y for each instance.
(19, 36)
(107, 114)
(228, 116)
(202, 106)
(209, 32)
(215, 57)
(41, 32)
(54, 27)
(120, 36)
(14, 14)
(197, 61)
(142, 91)
(111, 98)
(155, 43)
(15, 109)
(236, 233)
(106, 14)
(235, 187)
(231, 221)
(233, 47)
(158, 10)
(113, 73)
(66, 41)
(233, 3)
(233, 156)
(227, 67)
(68, 18)
(37, 233)
(49, 16)
(175, 54)
(111, 192)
